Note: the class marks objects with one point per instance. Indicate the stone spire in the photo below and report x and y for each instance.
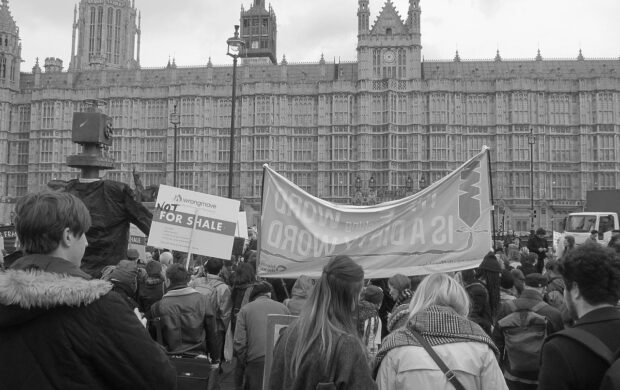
(457, 58)
(498, 58)
(580, 56)
(538, 56)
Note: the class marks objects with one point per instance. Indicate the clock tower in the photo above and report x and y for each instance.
(259, 30)
(391, 48)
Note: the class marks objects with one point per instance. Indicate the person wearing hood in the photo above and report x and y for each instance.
(60, 328)
(152, 289)
(299, 295)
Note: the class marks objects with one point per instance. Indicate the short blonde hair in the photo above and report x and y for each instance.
(440, 290)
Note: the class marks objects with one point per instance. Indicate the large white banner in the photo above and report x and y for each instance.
(446, 227)
(189, 221)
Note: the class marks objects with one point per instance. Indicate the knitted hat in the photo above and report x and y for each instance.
(125, 273)
(153, 268)
(490, 263)
(373, 294)
(535, 280)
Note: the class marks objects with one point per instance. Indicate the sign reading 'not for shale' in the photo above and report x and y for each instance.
(189, 221)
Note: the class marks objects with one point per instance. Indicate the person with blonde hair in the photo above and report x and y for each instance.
(322, 348)
(439, 346)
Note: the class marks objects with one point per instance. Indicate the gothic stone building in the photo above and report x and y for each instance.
(390, 118)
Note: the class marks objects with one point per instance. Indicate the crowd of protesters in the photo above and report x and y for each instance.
(522, 319)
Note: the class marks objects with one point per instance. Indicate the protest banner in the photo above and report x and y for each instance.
(276, 324)
(444, 228)
(194, 222)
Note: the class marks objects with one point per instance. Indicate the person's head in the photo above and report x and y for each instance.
(614, 243)
(260, 289)
(329, 310)
(177, 275)
(591, 274)
(593, 233)
(165, 258)
(153, 268)
(540, 232)
(133, 254)
(244, 274)
(506, 280)
(570, 241)
(397, 284)
(552, 267)
(489, 264)
(52, 223)
(535, 281)
(373, 294)
(148, 256)
(518, 279)
(214, 266)
(440, 290)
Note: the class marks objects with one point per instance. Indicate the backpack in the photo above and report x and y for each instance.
(524, 332)
(611, 378)
(209, 290)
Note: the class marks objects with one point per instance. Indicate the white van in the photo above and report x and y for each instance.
(579, 225)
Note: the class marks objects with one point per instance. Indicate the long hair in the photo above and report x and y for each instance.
(492, 285)
(440, 290)
(329, 311)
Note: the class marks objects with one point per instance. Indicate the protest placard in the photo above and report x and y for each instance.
(194, 222)
(137, 240)
(276, 324)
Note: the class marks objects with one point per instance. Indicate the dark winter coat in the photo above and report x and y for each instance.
(112, 207)
(567, 365)
(151, 291)
(59, 330)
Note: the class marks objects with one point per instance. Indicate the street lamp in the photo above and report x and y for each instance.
(175, 120)
(409, 184)
(531, 140)
(235, 45)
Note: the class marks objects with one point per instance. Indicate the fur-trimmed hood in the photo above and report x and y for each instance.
(26, 294)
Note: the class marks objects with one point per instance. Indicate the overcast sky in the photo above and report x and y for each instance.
(194, 30)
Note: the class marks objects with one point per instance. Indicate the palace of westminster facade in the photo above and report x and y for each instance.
(385, 124)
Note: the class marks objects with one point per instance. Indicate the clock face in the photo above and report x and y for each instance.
(389, 56)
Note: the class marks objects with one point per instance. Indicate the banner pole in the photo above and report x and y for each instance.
(262, 207)
(191, 238)
(492, 200)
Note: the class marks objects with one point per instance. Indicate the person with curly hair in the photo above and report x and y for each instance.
(591, 276)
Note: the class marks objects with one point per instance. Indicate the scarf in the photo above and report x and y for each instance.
(439, 325)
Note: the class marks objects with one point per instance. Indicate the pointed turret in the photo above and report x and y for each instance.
(498, 58)
(457, 58)
(413, 16)
(538, 56)
(580, 56)
(10, 48)
(363, 18)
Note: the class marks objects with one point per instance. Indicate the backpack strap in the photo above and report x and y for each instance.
(589, 341)
(450, 375)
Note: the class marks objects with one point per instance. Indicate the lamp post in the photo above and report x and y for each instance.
(235, 45)
(531, 140)
(175, 120)
(422, 183)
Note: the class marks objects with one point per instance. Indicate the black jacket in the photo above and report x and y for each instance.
(567, 364)
(112, 207)
(59, 330)
(534, 243)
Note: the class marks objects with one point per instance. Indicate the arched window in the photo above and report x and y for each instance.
(388, 31)
(2, 67)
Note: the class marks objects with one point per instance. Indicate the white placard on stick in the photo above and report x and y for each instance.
(181, 216)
